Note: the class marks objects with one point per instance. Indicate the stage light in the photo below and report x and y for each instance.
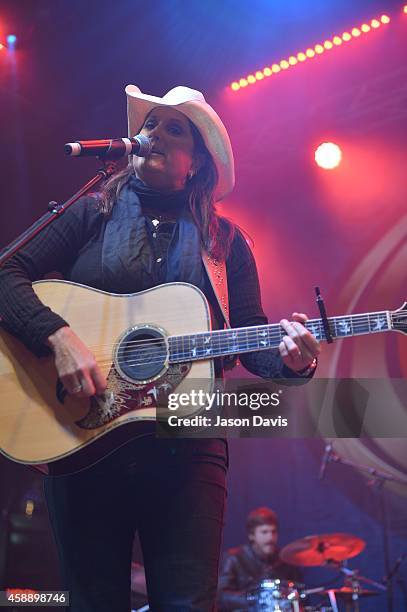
(11, 40)
(328, 156)
(311, 52)
(1, 46)
(405, 9)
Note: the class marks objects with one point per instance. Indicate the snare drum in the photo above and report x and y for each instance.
(274, 595)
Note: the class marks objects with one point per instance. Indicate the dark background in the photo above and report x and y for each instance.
(344, 230)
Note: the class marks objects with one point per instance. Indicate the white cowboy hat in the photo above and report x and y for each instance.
(191, 103)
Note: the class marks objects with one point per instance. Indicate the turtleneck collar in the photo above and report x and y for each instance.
(166, 204)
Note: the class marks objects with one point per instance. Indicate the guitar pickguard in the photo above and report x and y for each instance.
(122, 396)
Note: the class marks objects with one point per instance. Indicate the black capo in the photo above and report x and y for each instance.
(324, 317)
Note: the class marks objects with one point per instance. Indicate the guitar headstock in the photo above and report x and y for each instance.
(399, 319)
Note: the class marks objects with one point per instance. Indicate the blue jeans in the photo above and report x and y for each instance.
(173, 493)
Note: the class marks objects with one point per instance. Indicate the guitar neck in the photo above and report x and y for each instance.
(218, 343)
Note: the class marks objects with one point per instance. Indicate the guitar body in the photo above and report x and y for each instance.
(40, 423)
(148, 345)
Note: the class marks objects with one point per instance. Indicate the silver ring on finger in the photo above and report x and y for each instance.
(77, 389)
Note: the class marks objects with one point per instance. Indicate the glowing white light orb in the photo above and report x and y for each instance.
(328, 155)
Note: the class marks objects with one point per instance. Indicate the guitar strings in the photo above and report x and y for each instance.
(147, 352)
(180, 354)
(355, 324)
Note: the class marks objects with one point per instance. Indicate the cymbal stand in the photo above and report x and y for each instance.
(355, 577)
(377, 480)
(353, 580)
(332, 600)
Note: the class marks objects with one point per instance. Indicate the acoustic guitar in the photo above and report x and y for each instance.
(148, 345)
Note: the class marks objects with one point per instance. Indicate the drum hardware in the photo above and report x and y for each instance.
(320, 550)
(348, 593)
(332, 550)
(274, 595)
(377, 479)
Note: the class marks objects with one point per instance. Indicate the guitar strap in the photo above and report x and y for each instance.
(217, 275)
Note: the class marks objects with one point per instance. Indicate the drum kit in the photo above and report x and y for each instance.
(325, 550)
(275, 595)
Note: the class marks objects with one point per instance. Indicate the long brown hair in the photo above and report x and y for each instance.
(216, 231)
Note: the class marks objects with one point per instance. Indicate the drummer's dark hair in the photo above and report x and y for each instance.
(261, 516)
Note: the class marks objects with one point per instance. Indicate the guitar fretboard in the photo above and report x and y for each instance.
(206, 345)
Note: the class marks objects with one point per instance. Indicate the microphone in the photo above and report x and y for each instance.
(110, 149)
(325, 460)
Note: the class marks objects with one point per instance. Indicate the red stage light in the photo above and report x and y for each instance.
(328, 156)
(1, 46)
(405, 9)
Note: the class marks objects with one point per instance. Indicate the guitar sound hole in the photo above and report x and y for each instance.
(141, 354)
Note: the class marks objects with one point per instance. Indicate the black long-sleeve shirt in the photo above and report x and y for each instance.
(72, 246)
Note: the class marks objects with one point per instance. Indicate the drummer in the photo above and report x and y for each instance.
(244, 567)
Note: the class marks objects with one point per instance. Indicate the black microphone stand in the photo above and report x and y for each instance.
(54, 211)
(377, 479)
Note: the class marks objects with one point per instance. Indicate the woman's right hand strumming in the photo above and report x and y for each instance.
(75, 364)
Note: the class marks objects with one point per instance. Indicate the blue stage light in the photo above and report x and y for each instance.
(11, 39)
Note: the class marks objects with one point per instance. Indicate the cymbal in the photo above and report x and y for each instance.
(138, 579)
(347, 593)
(320, 549)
